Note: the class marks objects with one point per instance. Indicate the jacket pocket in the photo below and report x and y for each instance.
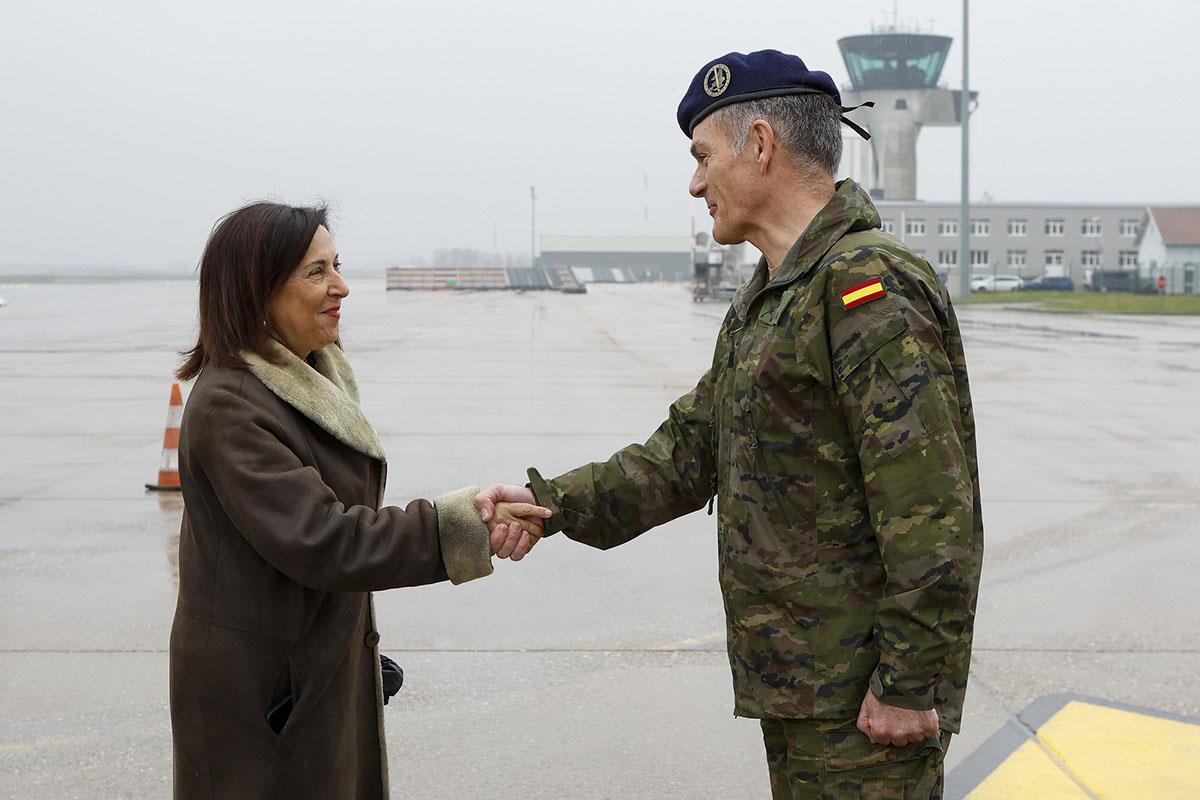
(897, 397)
(772, 638)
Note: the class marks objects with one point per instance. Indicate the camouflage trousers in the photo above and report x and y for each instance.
(833, 760)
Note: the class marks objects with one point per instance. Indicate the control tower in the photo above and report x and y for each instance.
(900, 72)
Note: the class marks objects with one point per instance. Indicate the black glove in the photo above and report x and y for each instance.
(393, 677)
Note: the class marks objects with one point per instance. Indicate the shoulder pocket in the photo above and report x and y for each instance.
(896, 393)
(853, 349)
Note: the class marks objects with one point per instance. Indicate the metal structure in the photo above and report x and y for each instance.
(714, 270)
(899, 71)
(964, 217)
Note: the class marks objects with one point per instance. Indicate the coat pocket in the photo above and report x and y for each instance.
(281, 714)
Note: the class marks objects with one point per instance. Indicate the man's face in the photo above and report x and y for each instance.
(725, 179)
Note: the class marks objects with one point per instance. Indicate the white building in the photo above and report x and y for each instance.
(1169, 245)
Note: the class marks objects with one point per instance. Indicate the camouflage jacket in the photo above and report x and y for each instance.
(839, 441)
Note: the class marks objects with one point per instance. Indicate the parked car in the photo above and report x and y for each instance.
(995, 283)
(1047, 283)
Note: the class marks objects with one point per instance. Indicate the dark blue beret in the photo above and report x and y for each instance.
(738, 77)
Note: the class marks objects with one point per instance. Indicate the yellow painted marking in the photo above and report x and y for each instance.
(1028, 773)
(1115, 754)
(1123, 754)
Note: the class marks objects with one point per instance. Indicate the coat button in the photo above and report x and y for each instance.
(371, 639)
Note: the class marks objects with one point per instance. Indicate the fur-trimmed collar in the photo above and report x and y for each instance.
(326, 394)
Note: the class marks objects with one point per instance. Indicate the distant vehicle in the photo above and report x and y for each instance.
(1047, 284)
(995, 283)
(3, 302)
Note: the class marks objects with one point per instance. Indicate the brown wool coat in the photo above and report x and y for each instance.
(284, 536)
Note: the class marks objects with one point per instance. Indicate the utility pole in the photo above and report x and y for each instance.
(964, 218)
(645, 202)
(532, 227)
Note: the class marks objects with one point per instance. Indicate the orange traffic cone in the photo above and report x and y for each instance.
(168, 470)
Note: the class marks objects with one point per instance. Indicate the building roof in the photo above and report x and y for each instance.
(616, 244)
(1179, 226)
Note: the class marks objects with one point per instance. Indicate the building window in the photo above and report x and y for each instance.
(1054, 258)
(1129, 228)
(947, 258)
(888, 226)
(947, 227)
(1016, 258)
(979, 258)
(1092, 227)
(1127, 258)
(1018, 227)
(914, 227)
(981, 227)
(1090, 258)
(1056, 227)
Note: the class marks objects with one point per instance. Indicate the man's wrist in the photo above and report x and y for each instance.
(893, 695)
(544, 496)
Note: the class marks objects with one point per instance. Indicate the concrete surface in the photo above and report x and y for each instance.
(576, 673)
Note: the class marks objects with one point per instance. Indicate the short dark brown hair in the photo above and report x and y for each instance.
(249, 253)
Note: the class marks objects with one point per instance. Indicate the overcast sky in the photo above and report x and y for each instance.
(129, 127)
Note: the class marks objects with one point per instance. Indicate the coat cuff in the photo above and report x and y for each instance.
(466, 547)
(913, 698)
(545, 496)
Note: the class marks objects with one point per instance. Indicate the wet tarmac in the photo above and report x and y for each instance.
(576, 673)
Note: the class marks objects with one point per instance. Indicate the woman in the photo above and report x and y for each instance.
(275, 670)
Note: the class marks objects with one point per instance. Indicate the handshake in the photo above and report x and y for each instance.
(515, 522)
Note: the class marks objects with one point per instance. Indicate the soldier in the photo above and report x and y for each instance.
(835, 429)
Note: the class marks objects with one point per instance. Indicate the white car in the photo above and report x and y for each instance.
(995, 283)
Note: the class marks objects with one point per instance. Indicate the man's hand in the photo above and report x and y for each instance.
(518, 528)
(884, 724)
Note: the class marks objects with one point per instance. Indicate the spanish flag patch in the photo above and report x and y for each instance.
(864, 293)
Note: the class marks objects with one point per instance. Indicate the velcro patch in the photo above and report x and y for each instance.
(864, 293)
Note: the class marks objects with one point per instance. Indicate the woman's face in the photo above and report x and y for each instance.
(304, 310)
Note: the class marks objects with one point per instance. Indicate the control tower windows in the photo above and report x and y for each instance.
(894, 61)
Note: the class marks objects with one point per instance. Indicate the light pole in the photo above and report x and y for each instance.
(532, 227)
(964, 218)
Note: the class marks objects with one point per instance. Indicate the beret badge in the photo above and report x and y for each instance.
(717, 80)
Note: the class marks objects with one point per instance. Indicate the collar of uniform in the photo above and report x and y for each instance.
(850, 209)
(326, 392)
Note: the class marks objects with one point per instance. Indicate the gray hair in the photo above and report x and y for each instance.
(808, 125)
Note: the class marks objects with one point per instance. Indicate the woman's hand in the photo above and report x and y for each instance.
(523, 523)
(513, 520)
